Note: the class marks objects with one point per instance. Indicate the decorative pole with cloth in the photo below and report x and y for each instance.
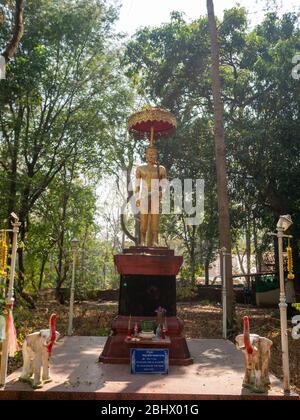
(3, 254)
(10, 345)
(289, 251)
(3, 275)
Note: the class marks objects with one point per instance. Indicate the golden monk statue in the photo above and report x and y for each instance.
(149, 191)
(156, 123)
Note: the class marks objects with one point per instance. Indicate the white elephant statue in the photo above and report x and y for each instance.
(257, 353)
(37, 350)
(296, 329)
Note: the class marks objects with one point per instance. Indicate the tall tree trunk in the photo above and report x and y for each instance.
(193, 255)
(42, 271)
(21, 275)
(18, 31)
(206, 270)
(13, 169)
(63, 265)
(24, 219)
(223, 203)
(241, 259)
(258, 254)
(82, 267)
(12, 190)
(135, 238)
(61, 253)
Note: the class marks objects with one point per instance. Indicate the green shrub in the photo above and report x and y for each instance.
(206, 302)
(186, 293)
(2, 306)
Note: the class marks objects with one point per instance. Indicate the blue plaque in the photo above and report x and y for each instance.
(149, 361)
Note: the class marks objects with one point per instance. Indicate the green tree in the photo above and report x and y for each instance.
(220, 152)
(61, 97)
(170, 64)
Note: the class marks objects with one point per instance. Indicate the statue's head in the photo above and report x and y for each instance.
(151, 155)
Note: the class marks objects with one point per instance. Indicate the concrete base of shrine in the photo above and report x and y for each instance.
(217, 373)
(117, 351)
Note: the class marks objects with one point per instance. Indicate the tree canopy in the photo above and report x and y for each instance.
(171, 63)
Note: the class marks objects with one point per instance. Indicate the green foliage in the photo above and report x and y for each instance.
(171, 63)
(63, 94)
(186, 293)
(2, 306)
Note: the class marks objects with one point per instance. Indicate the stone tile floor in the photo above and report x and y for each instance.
(217, 373)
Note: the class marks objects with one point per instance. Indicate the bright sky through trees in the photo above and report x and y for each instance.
(136, 13)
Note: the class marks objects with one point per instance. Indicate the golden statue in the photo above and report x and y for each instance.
(149, 195)
(157, 123)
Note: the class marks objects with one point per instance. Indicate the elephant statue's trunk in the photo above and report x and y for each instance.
(52, 333)
(247, 342)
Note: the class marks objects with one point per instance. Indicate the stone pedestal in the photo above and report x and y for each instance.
(147, 281)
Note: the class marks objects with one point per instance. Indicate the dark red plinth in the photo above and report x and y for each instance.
(117, 351)
(148, 251)
(148, 261)
(147, 280)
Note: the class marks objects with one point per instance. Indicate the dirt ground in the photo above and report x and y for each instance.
(200, 320)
